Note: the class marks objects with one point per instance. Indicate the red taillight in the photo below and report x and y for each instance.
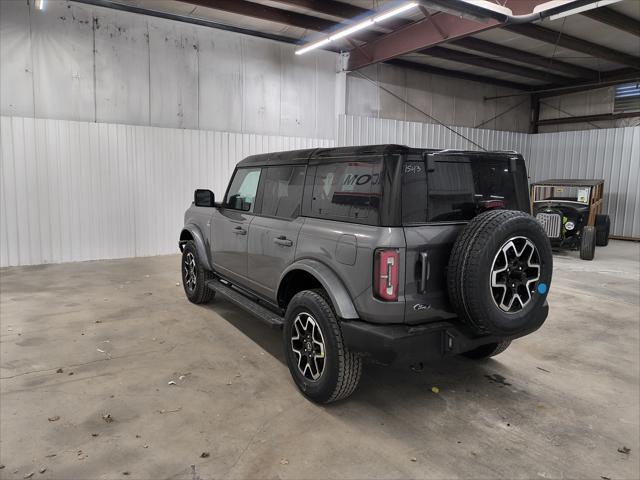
(386, 266)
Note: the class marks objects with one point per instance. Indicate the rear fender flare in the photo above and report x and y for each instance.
(331, 283)
(198, 239)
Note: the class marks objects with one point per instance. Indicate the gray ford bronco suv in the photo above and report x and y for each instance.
(397, 254)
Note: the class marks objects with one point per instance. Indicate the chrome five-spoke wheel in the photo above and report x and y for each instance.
(190, 271)
(307, 344)
(514, 273)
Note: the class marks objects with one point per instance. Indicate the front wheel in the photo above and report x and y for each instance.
(321, 365)
(195, 276)
(588, 243)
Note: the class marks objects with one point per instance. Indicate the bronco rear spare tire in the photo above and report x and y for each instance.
(499, 273)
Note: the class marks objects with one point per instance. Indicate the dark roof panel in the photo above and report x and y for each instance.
(316, 155)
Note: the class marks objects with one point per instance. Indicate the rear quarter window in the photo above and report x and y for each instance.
(348, 190)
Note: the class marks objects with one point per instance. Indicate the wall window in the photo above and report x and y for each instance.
(627, 98)
(282, 194)
(349, 190)
(242, 192)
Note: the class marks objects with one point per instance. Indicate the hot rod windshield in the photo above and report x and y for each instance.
(457, 187)
(561, 193)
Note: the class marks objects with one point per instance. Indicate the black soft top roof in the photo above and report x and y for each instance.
(302, 157)
(559, 182)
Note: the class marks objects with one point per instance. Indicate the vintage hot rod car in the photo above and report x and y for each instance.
(569, 211)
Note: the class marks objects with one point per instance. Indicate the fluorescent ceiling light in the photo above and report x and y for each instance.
(348, 31)
(313, 46)
(573, 11)
(357, 27)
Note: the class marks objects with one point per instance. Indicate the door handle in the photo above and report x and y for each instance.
(239, 231)
(425, 272)
(282, 240)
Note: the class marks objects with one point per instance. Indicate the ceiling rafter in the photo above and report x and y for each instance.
(573, 43)
(509, 53)
(614, 19)
(276, 15)
(421, 67)
(494, 64)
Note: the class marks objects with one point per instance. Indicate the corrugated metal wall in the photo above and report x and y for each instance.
(612, 154)
(74, 191)
(353, 130)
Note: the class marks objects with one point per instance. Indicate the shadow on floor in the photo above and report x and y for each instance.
(401, 385)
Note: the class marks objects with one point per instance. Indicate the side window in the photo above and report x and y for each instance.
(283, 191)
(242, 192)
(349, 190)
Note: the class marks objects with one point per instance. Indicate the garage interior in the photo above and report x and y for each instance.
(114, 111)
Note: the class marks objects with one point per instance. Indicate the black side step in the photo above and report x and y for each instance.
(252, 306)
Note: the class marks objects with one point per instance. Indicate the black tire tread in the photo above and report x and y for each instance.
(603, 229)
(465, 256)
(203, 293)
(588, 243)
(349, 363)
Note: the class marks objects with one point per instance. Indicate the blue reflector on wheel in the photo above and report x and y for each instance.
(542, 288)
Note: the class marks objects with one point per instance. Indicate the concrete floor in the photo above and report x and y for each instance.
(121, 330)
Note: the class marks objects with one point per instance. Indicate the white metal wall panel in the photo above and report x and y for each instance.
(16, 72)
(74, 61)
(452, 101)
(62, 51)
(353, 130)
(73, 191)
(612, 154)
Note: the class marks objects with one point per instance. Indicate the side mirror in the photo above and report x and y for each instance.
(204, 198)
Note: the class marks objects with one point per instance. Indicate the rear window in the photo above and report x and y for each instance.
(348, 190)
(455, 187)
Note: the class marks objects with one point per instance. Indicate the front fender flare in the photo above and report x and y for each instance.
(198, 239)
(330, 281)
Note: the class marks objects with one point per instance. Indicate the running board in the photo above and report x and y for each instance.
(250, 305)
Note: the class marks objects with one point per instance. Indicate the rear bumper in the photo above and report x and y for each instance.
(408, 344)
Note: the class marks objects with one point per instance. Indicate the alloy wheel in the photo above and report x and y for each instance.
(307, 344)
(190, 271)
(514, 273)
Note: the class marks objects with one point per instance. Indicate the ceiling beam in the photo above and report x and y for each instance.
(345, 11)
(573, 43)
(493, 64)
(277, 15)
(587, 118)
(264, 12)
(614, 19)
(432, 30)
(415, 37)
(329, 7)
(421, 67)
(508, 53)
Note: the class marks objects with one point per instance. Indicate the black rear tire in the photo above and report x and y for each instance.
(488, 350)
(603, 227)
(518, 304)
(588, 243)
(338, 369)
(195, 276)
